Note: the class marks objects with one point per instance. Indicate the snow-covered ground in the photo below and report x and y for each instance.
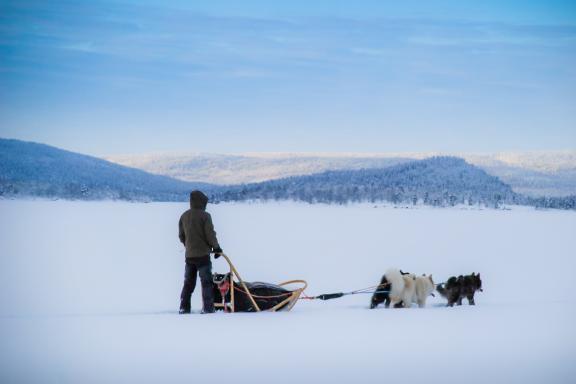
(89, 293)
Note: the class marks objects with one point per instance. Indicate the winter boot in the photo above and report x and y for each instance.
(184, 307)
(208, 310)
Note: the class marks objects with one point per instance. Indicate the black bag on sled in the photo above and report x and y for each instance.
(266, 295)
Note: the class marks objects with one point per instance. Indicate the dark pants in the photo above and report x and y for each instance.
(204, 269)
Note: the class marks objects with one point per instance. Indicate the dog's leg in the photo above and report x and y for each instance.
(387, 302)
(421, 303)
(471, 299)
(459, 301)
(396, 303)
(374, 302)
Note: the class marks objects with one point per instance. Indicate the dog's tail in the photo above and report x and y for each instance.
(440, 288)
(396, 281)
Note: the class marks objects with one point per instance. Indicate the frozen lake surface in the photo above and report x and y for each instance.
(89, 293)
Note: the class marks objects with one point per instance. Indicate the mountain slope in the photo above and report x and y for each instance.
(435, 181)
(551, 173)
(248, 168)
(32, 169)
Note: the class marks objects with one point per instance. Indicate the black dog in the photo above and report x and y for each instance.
(470, 284)
(381, 294)
(456, 288)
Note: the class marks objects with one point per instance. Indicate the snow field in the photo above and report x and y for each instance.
(89, 293)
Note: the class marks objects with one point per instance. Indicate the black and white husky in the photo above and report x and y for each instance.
(401, 289)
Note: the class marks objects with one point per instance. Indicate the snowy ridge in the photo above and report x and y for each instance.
(31, 169)
(550, 173)
(248, 168)
(438, 181)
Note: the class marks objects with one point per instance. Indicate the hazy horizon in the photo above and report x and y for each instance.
(304, 153)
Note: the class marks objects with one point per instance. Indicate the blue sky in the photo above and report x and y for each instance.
(109, 77)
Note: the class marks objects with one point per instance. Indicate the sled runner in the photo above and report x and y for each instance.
(232, 294)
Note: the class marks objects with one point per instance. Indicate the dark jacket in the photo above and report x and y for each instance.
(196, 230)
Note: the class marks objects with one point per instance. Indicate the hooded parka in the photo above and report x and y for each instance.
(196, 230)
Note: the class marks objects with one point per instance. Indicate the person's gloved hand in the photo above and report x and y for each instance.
(217, 252)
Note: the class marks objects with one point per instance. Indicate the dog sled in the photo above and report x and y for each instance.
(232, 294)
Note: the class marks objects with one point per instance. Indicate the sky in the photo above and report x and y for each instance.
(128, 76)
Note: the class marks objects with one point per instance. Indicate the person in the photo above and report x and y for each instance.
(196, 232)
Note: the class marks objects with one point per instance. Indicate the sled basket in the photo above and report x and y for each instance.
(258, 294)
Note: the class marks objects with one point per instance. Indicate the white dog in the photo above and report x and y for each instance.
(408, 289)
(424, 288)
(402, 287)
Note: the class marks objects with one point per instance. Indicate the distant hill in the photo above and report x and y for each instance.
(535, 174)
(31, 169)
(227, 169)
(550, 173)
(439, 181)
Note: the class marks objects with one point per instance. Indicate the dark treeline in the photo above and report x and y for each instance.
(566, 202)
(438, 181)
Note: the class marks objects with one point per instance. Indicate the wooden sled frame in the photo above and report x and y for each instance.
(289, 302)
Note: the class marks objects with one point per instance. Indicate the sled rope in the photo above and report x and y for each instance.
(368, 290)
(336, 295)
